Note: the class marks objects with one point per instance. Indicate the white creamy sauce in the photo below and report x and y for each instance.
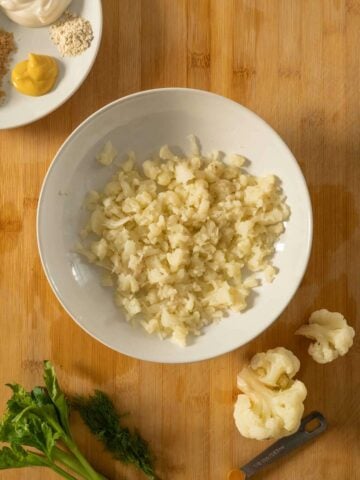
(34, 13)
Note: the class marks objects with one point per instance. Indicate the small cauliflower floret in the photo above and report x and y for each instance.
(128, 165)
(251, 282)
(214, 171)
(276, 367)
(179, 335)
(165, 153)
(332, 335)
(147, 185)
(271, 405)
(224, 296)
(107, 154)
(156, 275)
(235, 160)
(130, 205)
(168, 320)
(127, 283)
(167, 291)
(244, 228)
(92, 200)
(112, 189)
(183, 173)
(171, 199)
(233, 270)
(203, 210)
(270, 414)
(253, 195)
(151, 326)
(177, 236)
(176, 258)
(164, 178)
(151, 169)
(134, 263)
(100, 248)
(255, 263)
(132, 306)
(267, 183)
(194, 145)
(115, 224)
(129, 249)
(155, 231)
(144, 199)
(97, 220)
(269, 272)
(126, 187)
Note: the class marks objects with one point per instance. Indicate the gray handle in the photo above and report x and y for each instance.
(287, 444)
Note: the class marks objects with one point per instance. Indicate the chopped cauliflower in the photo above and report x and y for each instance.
(180, 236)
(332, 335)
(271, 405)
(107, 154)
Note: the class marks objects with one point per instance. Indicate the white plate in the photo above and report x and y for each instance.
(19, 109)
(144, 122)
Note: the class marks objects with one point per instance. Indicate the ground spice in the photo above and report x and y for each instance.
(7, 47)
(71, 34)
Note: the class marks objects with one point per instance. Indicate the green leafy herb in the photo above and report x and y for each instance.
(17, 457)
(39, 419)
(100, 415)
(56, 395)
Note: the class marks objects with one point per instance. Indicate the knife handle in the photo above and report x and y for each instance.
(310, 427)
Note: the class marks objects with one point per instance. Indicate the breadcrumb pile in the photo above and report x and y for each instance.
(7, 47)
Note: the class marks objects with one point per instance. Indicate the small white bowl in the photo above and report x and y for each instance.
(143, 122)
(18, 109)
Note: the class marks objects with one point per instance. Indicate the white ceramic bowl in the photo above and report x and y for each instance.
(143, 122)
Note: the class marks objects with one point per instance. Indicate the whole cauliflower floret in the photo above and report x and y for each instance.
(276, 367)
(332, 335)
(271, 405)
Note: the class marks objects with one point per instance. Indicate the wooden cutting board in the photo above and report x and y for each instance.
(297, 64)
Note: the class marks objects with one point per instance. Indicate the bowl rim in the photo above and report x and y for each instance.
(127, 98)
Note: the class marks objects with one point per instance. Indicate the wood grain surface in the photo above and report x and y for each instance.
(297, 64)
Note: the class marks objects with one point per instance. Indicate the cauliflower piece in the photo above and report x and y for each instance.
(194, 145)
(176, 258)
(332, 335)
(275, 367)
(165, 153)
(132, 306)
(183, 173)
(235, 160)
(270, 272)
(164, 178)
(128, 165)
(99, 249)
(107, 154)
(97, 221)
(271, 405)
(151, 169)
(92, 199)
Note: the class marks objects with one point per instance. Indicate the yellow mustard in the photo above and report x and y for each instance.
(35, 76)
